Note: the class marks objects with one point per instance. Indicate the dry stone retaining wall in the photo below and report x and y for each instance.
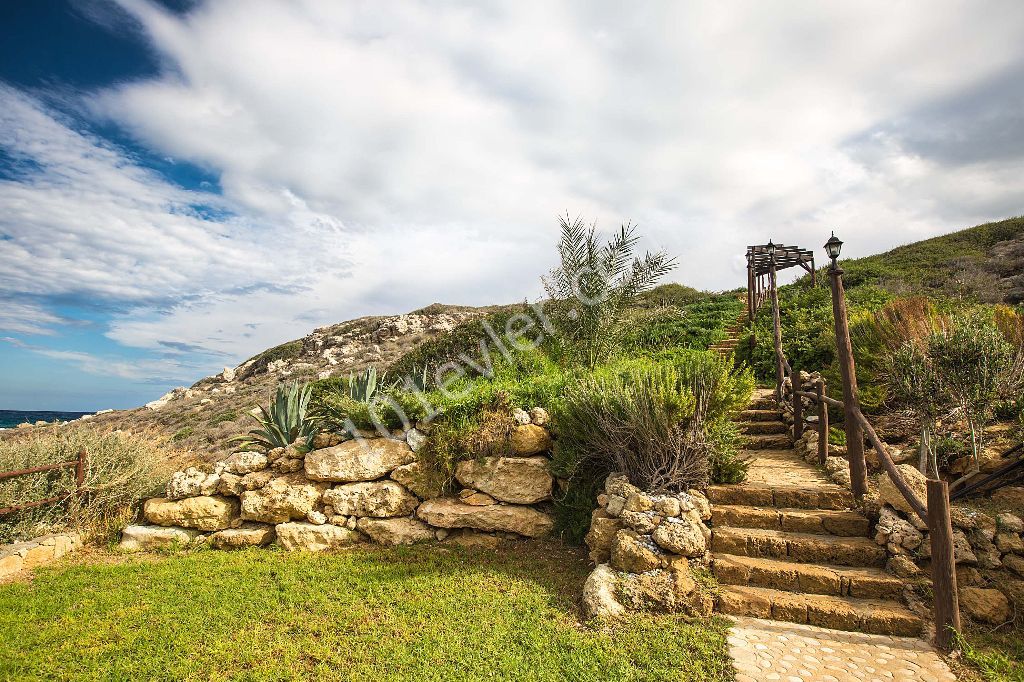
(345, 491)
(646, 547)
(21, 556)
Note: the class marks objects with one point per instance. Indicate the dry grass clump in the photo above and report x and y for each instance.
(123, 469)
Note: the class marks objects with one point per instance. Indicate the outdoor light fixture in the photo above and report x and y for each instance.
(770, 249)
(832, 247)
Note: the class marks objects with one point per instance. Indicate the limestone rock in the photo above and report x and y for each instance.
(615, 504)
(599, 594)
(642, 522)
(889, 494)
(540, 416)
(903, 566)
(638, 502)
(603, 527)
(415, 439)
(519, 480)
(256, 480)
(520, 416)
(1009, 543)
(282, 499)
(326, 440)
(381, 499)
(146, 538)
(476, 498)
(700, 503)
(530, 439)
(668, 506)
(187, 483)
(316, 518)
(306, 537)
(242, 463)
(1010, 523)
(230, 484)
(632, 555)
(203, 513)
(682, 535)
(619, 485)
(985, 606)
(660, 590)
(450, 513)
(403, 531)
(424, 481)
(358, 460)
(1015, 564)
(895, 533)
(287, 465)
(246, 535)
(1011, 497)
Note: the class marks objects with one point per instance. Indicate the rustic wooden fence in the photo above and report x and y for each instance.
(934, 512)
(79, 464)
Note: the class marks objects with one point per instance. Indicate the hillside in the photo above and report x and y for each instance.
(984, 262)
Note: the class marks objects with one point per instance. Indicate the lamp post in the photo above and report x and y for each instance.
(844, 350)
(776, 320)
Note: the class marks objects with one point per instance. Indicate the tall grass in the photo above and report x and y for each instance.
(123, 468)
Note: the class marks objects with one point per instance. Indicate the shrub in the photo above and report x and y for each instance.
(220, 418)
(592, 287)
(913, 382)
(123, 469)
(652, 421)
(285, 422)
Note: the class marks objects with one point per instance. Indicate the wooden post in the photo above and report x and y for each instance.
(80, 473)
(750, 292)
(776, 329)
(947, 605)
(854, 431)
(798, 405)
(822, 423)
(814, 273)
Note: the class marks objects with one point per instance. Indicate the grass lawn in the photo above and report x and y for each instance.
(994, 656)
(417, 613)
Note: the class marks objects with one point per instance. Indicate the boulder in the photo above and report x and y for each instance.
(242, 463)
(530, 439)
(246, 535)
(257, 480)
(326, 440)
(1010, 497)
(147, 538)
(660, 590)
(424, 481)
(187, 483)
(682, 535)
(360, 459)
(282, 499)
(619, 486)
(599, 594)
(668, 506)
(903, 566)
(381, 499)
(603, 527)
(402, 531)
(700, 503)
(205, 512)
(1015, 564)
(415, 439)
(642, 522)
(519, 480)
(301, 536)
(1009, 543)
(540, 416)
(895, 533)
(520, 416)
(631, 554)
(450, 513)
(889, 494)
(1010, 523)
(638, 502)
(230, 484)
(985, 606)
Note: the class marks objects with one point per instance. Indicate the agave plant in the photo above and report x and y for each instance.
(286, 421)
(363, 387)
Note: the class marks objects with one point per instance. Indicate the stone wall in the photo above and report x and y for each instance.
(646, 548)
(342, 490)
(21, 556)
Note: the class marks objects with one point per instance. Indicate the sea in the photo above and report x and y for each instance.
(11, 418)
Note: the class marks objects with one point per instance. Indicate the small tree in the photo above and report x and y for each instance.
(913, 382)
(976, 367)
(594, 284)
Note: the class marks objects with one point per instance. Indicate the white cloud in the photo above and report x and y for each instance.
(381, 156)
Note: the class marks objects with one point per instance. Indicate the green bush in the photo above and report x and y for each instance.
(697, 325)
(221, 417)
(660, 423)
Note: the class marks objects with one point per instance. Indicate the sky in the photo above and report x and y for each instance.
(184, 184)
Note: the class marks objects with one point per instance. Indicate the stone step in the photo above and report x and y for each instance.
(824, 496)
(805, 548)
(877, 617)
(766, 428)
(770, 415)
(763, 402)
(838, 581)
(777, 441)
(814, 521)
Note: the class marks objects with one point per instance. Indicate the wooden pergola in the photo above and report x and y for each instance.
(762, 266)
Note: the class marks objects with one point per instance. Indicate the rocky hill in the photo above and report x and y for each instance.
(202, 419)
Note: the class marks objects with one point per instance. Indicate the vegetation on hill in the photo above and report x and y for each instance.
(426, 612)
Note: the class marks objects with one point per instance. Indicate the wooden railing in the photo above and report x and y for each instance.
(79, 464)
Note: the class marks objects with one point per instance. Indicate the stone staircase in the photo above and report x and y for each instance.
(790, 545)
(727, 346)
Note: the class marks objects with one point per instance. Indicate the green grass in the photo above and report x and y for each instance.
(420, 613)
(995, 656)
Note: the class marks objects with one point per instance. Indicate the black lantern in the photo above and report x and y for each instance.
(832, 247)
(770, 249)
